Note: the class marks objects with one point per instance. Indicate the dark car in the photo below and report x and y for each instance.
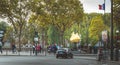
(64, 53)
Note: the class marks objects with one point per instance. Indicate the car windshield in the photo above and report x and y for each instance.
(64, 49)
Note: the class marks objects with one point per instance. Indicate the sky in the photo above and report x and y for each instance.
(91, 6)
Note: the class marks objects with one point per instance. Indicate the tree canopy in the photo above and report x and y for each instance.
(61, 14)
(116, 12)
(96, 27)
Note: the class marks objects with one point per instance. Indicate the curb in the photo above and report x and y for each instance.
(85, 54)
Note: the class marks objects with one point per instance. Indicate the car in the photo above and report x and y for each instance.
(64, 53)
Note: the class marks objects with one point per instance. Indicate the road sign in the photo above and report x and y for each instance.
(104, 35)
(36, 39)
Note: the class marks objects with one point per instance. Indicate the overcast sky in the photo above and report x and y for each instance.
(91, 6)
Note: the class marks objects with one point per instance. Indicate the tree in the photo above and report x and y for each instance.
(116, 13)
(53, 36)
(3, 27)
(16, 11)
(9, 34)
(106, 18)
(62, 14)
(96, 27)
(84, 28)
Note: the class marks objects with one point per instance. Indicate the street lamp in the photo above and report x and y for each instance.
(117, 48)
(36, 41)
(117, 31)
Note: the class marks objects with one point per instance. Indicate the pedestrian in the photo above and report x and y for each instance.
(13, 48)
(54, 49)
(49, 49)
(1, 47)
(33, 47)
(38, 48)
(95, 49)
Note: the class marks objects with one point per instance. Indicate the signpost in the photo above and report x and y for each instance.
(105, 41)
(104, 36)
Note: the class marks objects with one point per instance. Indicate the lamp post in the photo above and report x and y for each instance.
(36, 41)
(117, 48)
(111, 32)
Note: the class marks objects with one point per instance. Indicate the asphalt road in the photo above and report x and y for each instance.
(48, 60)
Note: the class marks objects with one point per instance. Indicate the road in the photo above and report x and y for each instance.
(48, 60)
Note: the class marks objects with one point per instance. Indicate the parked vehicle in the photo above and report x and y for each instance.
(64, 53)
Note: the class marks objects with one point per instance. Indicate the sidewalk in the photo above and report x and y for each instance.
(85, 54)
(22, 53)
(108, 62)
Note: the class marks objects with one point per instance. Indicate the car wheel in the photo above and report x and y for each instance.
(71, 56)
(66, 56)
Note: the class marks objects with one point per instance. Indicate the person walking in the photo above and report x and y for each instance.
(13, 48)
(33, 47)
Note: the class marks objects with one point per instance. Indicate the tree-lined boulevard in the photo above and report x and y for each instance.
(36, 26)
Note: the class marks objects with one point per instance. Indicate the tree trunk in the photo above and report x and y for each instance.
(19, 41)
(43, 34)
(62, 38)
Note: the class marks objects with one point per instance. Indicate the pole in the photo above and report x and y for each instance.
(105, 42)
(117, 48)
(36, 42)
(104, 6)
(20, 30)
(36, 48)
(111, 33)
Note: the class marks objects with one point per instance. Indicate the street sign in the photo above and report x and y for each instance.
(104, 36)
(36, 39)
